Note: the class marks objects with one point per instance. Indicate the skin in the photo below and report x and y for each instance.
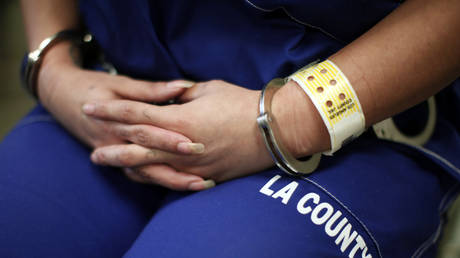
(63, 97)
(407, 57)
(231, 130)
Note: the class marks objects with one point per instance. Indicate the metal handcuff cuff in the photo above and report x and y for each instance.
(34, 58)
(283, 159)
(385, 129)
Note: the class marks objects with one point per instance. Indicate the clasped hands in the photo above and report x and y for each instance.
(209, 133)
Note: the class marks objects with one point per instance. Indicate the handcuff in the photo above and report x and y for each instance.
(388, 130)
(91, 56)
(35, 58)
(283, 159)
(385, 130)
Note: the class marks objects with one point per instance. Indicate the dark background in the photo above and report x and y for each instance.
(14, 101)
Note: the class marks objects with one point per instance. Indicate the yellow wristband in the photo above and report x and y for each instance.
(336, 101)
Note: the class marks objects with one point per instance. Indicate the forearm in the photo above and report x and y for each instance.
(410, 55)
(407, 57)
(43, 18)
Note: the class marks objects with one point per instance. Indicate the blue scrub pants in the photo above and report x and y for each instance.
(372, 199)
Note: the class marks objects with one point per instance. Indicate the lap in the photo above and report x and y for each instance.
(55, 203)
(368, 201)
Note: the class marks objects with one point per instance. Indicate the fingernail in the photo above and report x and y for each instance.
(190, 147)
(88, 108)
(180, 84)
(94, 157)
(201, 185)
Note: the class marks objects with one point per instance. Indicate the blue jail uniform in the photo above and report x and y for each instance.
(373, 198)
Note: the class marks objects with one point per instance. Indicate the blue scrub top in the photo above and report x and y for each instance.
(248, 43)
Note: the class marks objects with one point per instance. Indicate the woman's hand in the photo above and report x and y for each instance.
(64, 87)
(217, 114)
(220, 115)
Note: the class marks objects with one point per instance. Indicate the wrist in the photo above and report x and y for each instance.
(57, 63)
(302, 130)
